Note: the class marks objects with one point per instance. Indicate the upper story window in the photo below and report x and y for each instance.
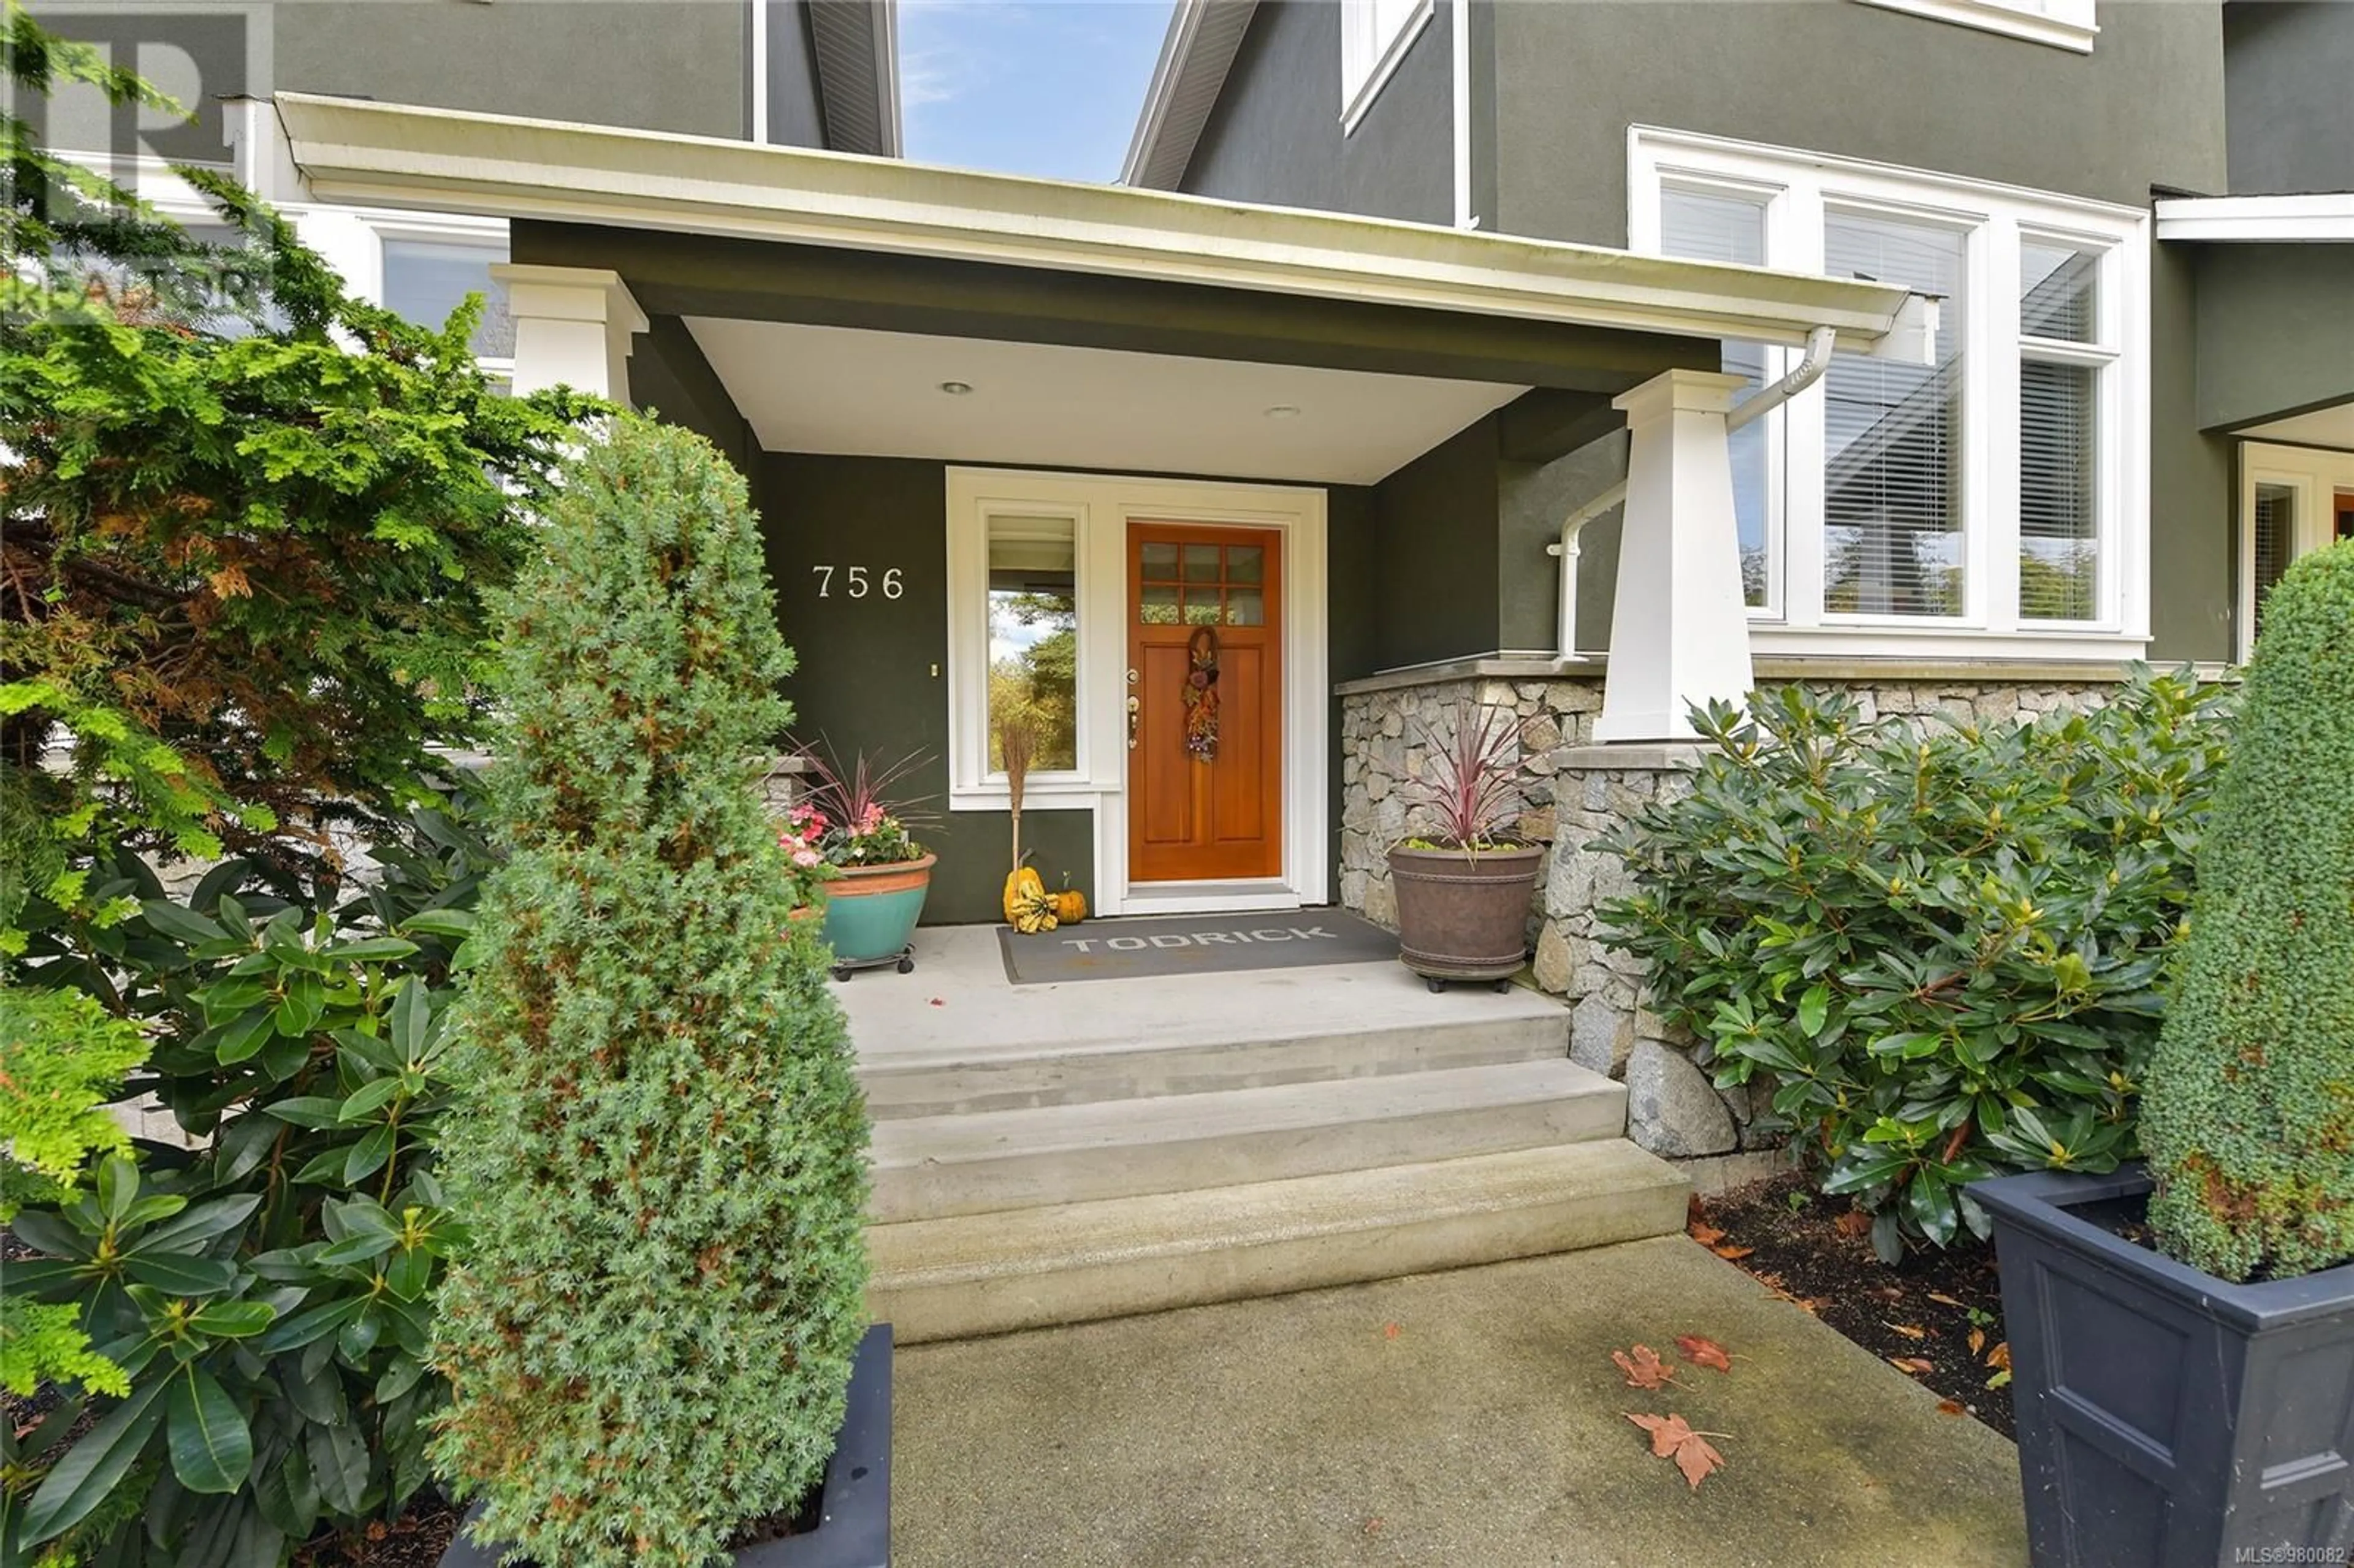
(2062, 24)
(1999, 492)
(1375, 35)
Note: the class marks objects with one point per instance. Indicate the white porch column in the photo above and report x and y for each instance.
(575, 326)
(1679, 632)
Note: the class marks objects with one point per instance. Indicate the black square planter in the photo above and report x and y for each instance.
(2166, 1418)
(854, 1506)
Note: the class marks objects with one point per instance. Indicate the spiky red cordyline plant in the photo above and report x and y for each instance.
(863, 797)
(1471, 785)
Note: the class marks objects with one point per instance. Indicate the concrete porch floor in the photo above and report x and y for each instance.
(1485, 1432)
(959, 1005)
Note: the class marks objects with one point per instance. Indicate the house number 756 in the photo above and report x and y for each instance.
(857, 584)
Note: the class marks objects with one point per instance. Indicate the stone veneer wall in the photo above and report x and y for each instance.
(1576, 791)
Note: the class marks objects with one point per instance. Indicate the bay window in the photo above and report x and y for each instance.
(1990, 504)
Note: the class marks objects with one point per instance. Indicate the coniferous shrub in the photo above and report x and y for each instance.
(659, 1147)
(2248, 1113)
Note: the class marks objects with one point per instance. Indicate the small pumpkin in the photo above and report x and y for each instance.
(1070, 906)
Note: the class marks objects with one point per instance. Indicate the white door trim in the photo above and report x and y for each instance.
(1103, 506)
(2316, 475)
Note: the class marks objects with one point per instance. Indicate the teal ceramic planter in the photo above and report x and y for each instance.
(870, 913)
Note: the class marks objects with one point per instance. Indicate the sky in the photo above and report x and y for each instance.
(1030, 87)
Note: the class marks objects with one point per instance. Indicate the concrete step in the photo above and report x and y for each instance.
(1245, 1054)
(987, 1274)
(928, 1168)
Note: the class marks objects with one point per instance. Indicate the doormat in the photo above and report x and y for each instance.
(1136, 948)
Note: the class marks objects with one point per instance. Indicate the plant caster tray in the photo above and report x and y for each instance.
(904, 961)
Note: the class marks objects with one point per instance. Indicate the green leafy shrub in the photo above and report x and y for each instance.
(1944, 952)
(658, 1147)
(264, 1300)
(2250, 1114)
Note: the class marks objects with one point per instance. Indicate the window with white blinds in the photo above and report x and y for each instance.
(1998, 491)
(1714, 225)
(2276, 541)
(1892, 437)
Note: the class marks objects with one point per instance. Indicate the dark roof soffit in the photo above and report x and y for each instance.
(1196, 55)
(857, 46)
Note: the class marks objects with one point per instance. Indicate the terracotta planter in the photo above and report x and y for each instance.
(1464, 916)
(871, 912)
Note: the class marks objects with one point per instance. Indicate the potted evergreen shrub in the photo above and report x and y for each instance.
(1463, 884)
(2182, 1335)
(657, 1148)
(878, 875)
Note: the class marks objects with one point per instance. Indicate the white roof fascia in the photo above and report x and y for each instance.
(2327, 218)
(378, 154)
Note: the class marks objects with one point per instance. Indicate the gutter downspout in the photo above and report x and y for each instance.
(1459, 49)
(1810, 370)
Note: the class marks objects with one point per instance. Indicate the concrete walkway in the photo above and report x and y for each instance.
(1465, 1420)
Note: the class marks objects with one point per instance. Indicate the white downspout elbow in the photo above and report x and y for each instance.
(1809, 370)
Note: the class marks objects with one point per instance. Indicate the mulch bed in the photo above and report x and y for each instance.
(1937, 1316)
(416, 1539)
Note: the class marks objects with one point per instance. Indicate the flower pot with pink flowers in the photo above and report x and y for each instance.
(852, 833)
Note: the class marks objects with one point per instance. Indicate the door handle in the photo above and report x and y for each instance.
(1135, 707)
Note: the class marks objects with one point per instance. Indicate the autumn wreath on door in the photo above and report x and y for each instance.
(1202, 695)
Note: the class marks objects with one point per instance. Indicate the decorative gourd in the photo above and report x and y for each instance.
(1032, 910)
(1070, 906)
(1022, 887)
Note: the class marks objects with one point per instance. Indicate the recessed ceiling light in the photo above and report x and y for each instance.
(1284, 411)
(956, 389)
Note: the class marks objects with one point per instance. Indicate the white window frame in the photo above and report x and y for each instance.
(2061, 24)
(1102, 506)
(1799, 187)
(1368, 60)
(2315, 475)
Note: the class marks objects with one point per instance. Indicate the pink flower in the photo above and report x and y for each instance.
(870, 820)
(806, 857)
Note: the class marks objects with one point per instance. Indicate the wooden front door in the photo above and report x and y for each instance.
(1205, 780)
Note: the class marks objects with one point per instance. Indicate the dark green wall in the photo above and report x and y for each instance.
(2275, 328)
(873, 673)
(2145, 108)
(1275, 136)
(2191, 493)
(2288, 73)
(1435, 539)
(669, 377)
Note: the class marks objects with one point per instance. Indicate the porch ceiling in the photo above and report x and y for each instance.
(2331, 427)
(879, 394)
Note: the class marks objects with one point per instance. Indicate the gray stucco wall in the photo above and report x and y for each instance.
(657, 64)
(2192, 498)
(2145, 108)
(1276, 133)
(2289, 74)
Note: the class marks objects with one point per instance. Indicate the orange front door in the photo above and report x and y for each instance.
(1205, 776)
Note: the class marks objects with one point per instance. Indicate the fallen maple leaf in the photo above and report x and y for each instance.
(1978, 1340)
(1642, 1366)
(938, 1002)
(1703, 1232)
(1732, 1253)
(1389, 1330)
(1672, 1439)
(1918, 1366)
(1950, 1407)
(1999, 1357)
(1853, 1224)
(1703, 1352)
